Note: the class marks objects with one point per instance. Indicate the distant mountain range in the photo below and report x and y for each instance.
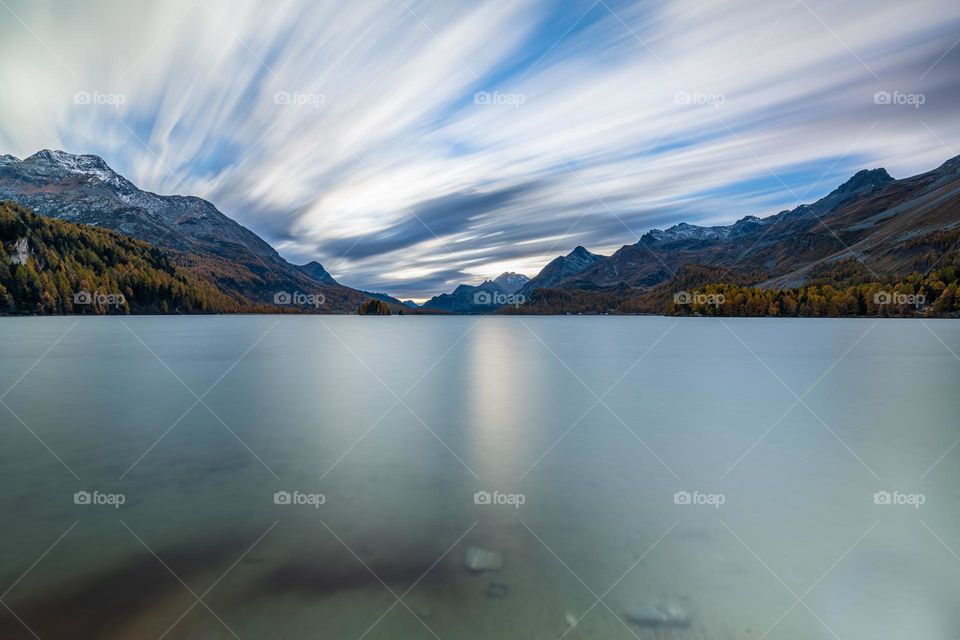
(83, 189)
(871, 229)
(482, 298)
(871, 218)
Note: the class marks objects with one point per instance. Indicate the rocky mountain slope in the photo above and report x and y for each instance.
(482, 298)
(511, 282)
(316, 271)
(870, 218)
(560, 270)
(84, 189)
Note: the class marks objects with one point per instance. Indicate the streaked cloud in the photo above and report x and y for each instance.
(409, 146)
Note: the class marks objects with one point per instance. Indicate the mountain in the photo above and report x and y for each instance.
(483, 298)
(560, 270)
(871, 216)
(83, 189)
(50, 266)
(397, 304)
(316, 271)
(870, 229)
(465, 299)
(511, 282)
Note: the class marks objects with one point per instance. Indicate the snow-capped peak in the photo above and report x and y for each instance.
(684, 231)
(88, 165)
(510, 281)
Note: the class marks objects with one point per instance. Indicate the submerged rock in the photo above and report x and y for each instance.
(477, 559)
(659, 615)
(423, 611)
(497, 590)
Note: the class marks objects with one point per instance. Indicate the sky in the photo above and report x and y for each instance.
(410, 146)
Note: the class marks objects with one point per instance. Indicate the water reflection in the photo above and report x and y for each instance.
(597, 501)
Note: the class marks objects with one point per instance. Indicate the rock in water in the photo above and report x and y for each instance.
(477, 559)
(659, 615)
(497, 590)
(423, 611)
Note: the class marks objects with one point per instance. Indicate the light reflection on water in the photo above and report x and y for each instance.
(314, 407)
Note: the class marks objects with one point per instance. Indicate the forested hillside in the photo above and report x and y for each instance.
(49, 266)
(195, 235)
(845, 289)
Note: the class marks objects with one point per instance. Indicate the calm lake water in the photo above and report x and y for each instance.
(727, 469)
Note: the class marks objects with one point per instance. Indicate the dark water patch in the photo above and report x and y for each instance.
(191, 475)
(311, 578)
(94, 606)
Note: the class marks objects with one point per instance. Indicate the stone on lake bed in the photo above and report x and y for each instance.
(659, 615)
(477, 559)
(423, 611)
(497, 590)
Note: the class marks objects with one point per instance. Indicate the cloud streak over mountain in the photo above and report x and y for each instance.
(410, 146)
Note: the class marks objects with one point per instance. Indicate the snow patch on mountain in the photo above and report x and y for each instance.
(510, 281)
(684, 231)
(83, 165)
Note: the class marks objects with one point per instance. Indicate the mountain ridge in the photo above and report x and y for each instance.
(873, 218)
(84, 189)
(763, 242)
(871, 228)
(482, 298)
(561, 269)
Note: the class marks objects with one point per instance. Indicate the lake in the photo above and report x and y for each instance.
(324, 477)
